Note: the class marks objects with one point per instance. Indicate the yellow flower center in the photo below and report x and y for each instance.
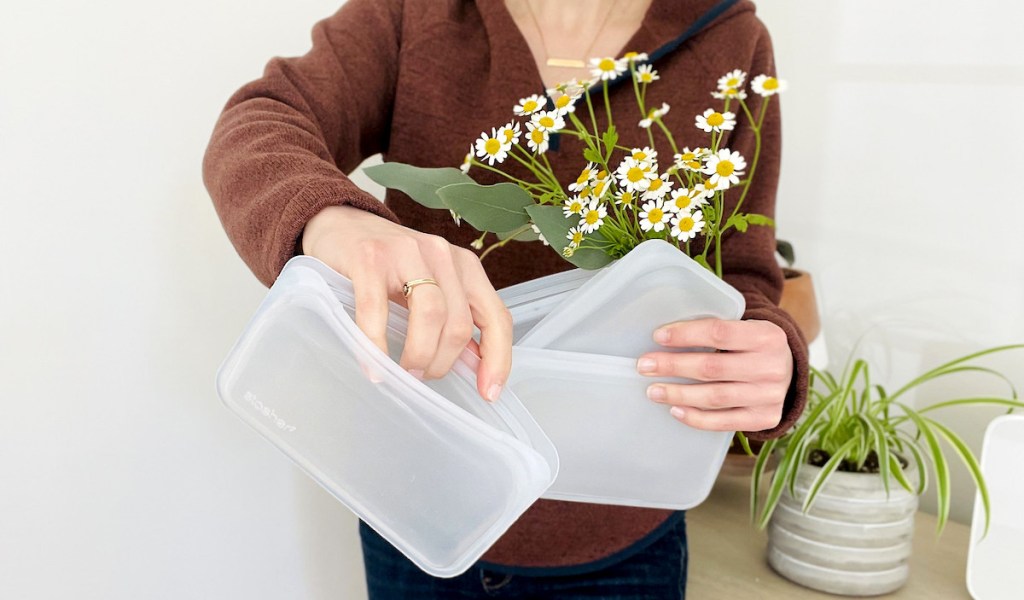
(530, 106)
(655, 215)
(576, 207)
(592, 217)
(708, 185)
(577, 237)
(562, 101)
(725, 168)
(716, 119)
(685, 224)
(509, 134)
(537, 136)
(656, 184)
(492, 146)
(586, 192)
(627, 197)
(732, 82)
(639, 155)
(683, 202)
(635, 174)
(606, 64)
(645, 77)
(730, 92)
(631, 55)
(546, 122)
(770, 84)
(584, 176)
(599, 188)
(602, 174)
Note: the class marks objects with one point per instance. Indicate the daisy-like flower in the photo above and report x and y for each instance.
(689, 160)
(575, 236)
(730, 93)
(593, 216)
(653, 115)
(492, 147)
(509, 134)
(767, 86)
(529, 105)
(565, 104)
(635, 56)
(686, 226)
(713, 120)
(646, 154)
(626, 198)
(654, 216)
(646, 74)
(467, 161)
(540, 236)
(588, 174)
(733, 80)
(573, 206)
(537, 139)
(607, 68)
(601, 182)
(548, 121)
(658, 188)
(635, 175)
(684, 200)
(725, 169)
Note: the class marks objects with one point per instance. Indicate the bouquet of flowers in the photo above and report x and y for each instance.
(622, 196)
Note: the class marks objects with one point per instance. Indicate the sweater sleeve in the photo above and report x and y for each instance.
(280, 151)
(748, 258)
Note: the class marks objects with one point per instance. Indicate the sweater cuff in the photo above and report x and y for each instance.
(286, 241)
(796, 397)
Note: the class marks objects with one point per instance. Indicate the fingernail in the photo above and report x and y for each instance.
(677, 412)
(417, 373)
(493, 392)
(646, 365)
(661, 336)
(656, 393)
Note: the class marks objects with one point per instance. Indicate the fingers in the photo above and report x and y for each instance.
(720, 334)
(428, 313)
(495, 322)
(457, 326)
(729, 419)
(717, 366)
(372, 307)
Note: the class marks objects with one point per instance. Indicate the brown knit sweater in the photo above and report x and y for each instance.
(418, 80)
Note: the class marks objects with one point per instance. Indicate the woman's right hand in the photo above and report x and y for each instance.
(378, 256)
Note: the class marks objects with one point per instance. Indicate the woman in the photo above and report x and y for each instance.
(418, 81)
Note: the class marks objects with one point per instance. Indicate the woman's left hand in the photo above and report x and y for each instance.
(741, 387)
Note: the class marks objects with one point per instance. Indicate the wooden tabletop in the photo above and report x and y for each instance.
(727, 554)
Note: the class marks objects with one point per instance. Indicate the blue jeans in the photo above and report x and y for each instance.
(656, 572)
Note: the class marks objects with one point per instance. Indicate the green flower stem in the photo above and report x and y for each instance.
(544, 173)
(501, 243)
(525, 184)
(607, 103)
(668, 134)
(536, 173)
(593, 121)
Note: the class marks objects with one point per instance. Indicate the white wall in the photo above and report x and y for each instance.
(121, 475)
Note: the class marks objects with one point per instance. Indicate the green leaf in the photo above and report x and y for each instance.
(593, 155)
(500, 207)
(942, 488)
(738, 221)
(830, 466)
(610, 138)
(702, 262)
(971, 463)
(756, 219)
(555, 226)
(785, 250)
(420, 184)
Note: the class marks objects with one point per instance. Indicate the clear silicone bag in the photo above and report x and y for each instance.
(431, 466)
(615, 446)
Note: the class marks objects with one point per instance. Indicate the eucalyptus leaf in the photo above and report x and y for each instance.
(553, 223)
(419, 183)
(500, 207)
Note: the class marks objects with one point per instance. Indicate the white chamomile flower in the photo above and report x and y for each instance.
(654, 216)
(725, 169)
(601, 182)
(653, 115)
(540, 236)
(767, 86)
(491, 147)
(456, 218)
(730, 93)
(658, 188)
(477, 244)
(646, 74)
(467, 161)
(733, 80)
(686, 226)
(537, 139)
(645, 154)
(607, 68)
(548, 121)
(713, 120)
(575, 236)
(573, 206)
(509, 134)
(587, 175)
(626, 198)
(635, 56)
(565, 99)
(689, 160)
(529, 105)
(684, 200)
(635, 176)
(593, 216)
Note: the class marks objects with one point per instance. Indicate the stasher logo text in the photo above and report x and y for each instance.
(268, 412)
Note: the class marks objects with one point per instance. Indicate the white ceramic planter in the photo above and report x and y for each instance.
(855, 541)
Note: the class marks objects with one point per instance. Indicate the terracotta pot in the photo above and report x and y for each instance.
(799, 301)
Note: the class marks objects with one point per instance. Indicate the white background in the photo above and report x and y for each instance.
(121, 475)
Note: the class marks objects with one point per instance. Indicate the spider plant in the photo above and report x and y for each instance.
(850, 422)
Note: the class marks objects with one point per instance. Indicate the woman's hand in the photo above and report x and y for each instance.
(739, 388)
(379, 256)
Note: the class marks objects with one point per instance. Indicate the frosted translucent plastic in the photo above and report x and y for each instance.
(993, 562)
(616, 311)
(431, 466)
(614, 445)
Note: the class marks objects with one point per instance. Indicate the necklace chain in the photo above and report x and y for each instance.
(571, 63)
